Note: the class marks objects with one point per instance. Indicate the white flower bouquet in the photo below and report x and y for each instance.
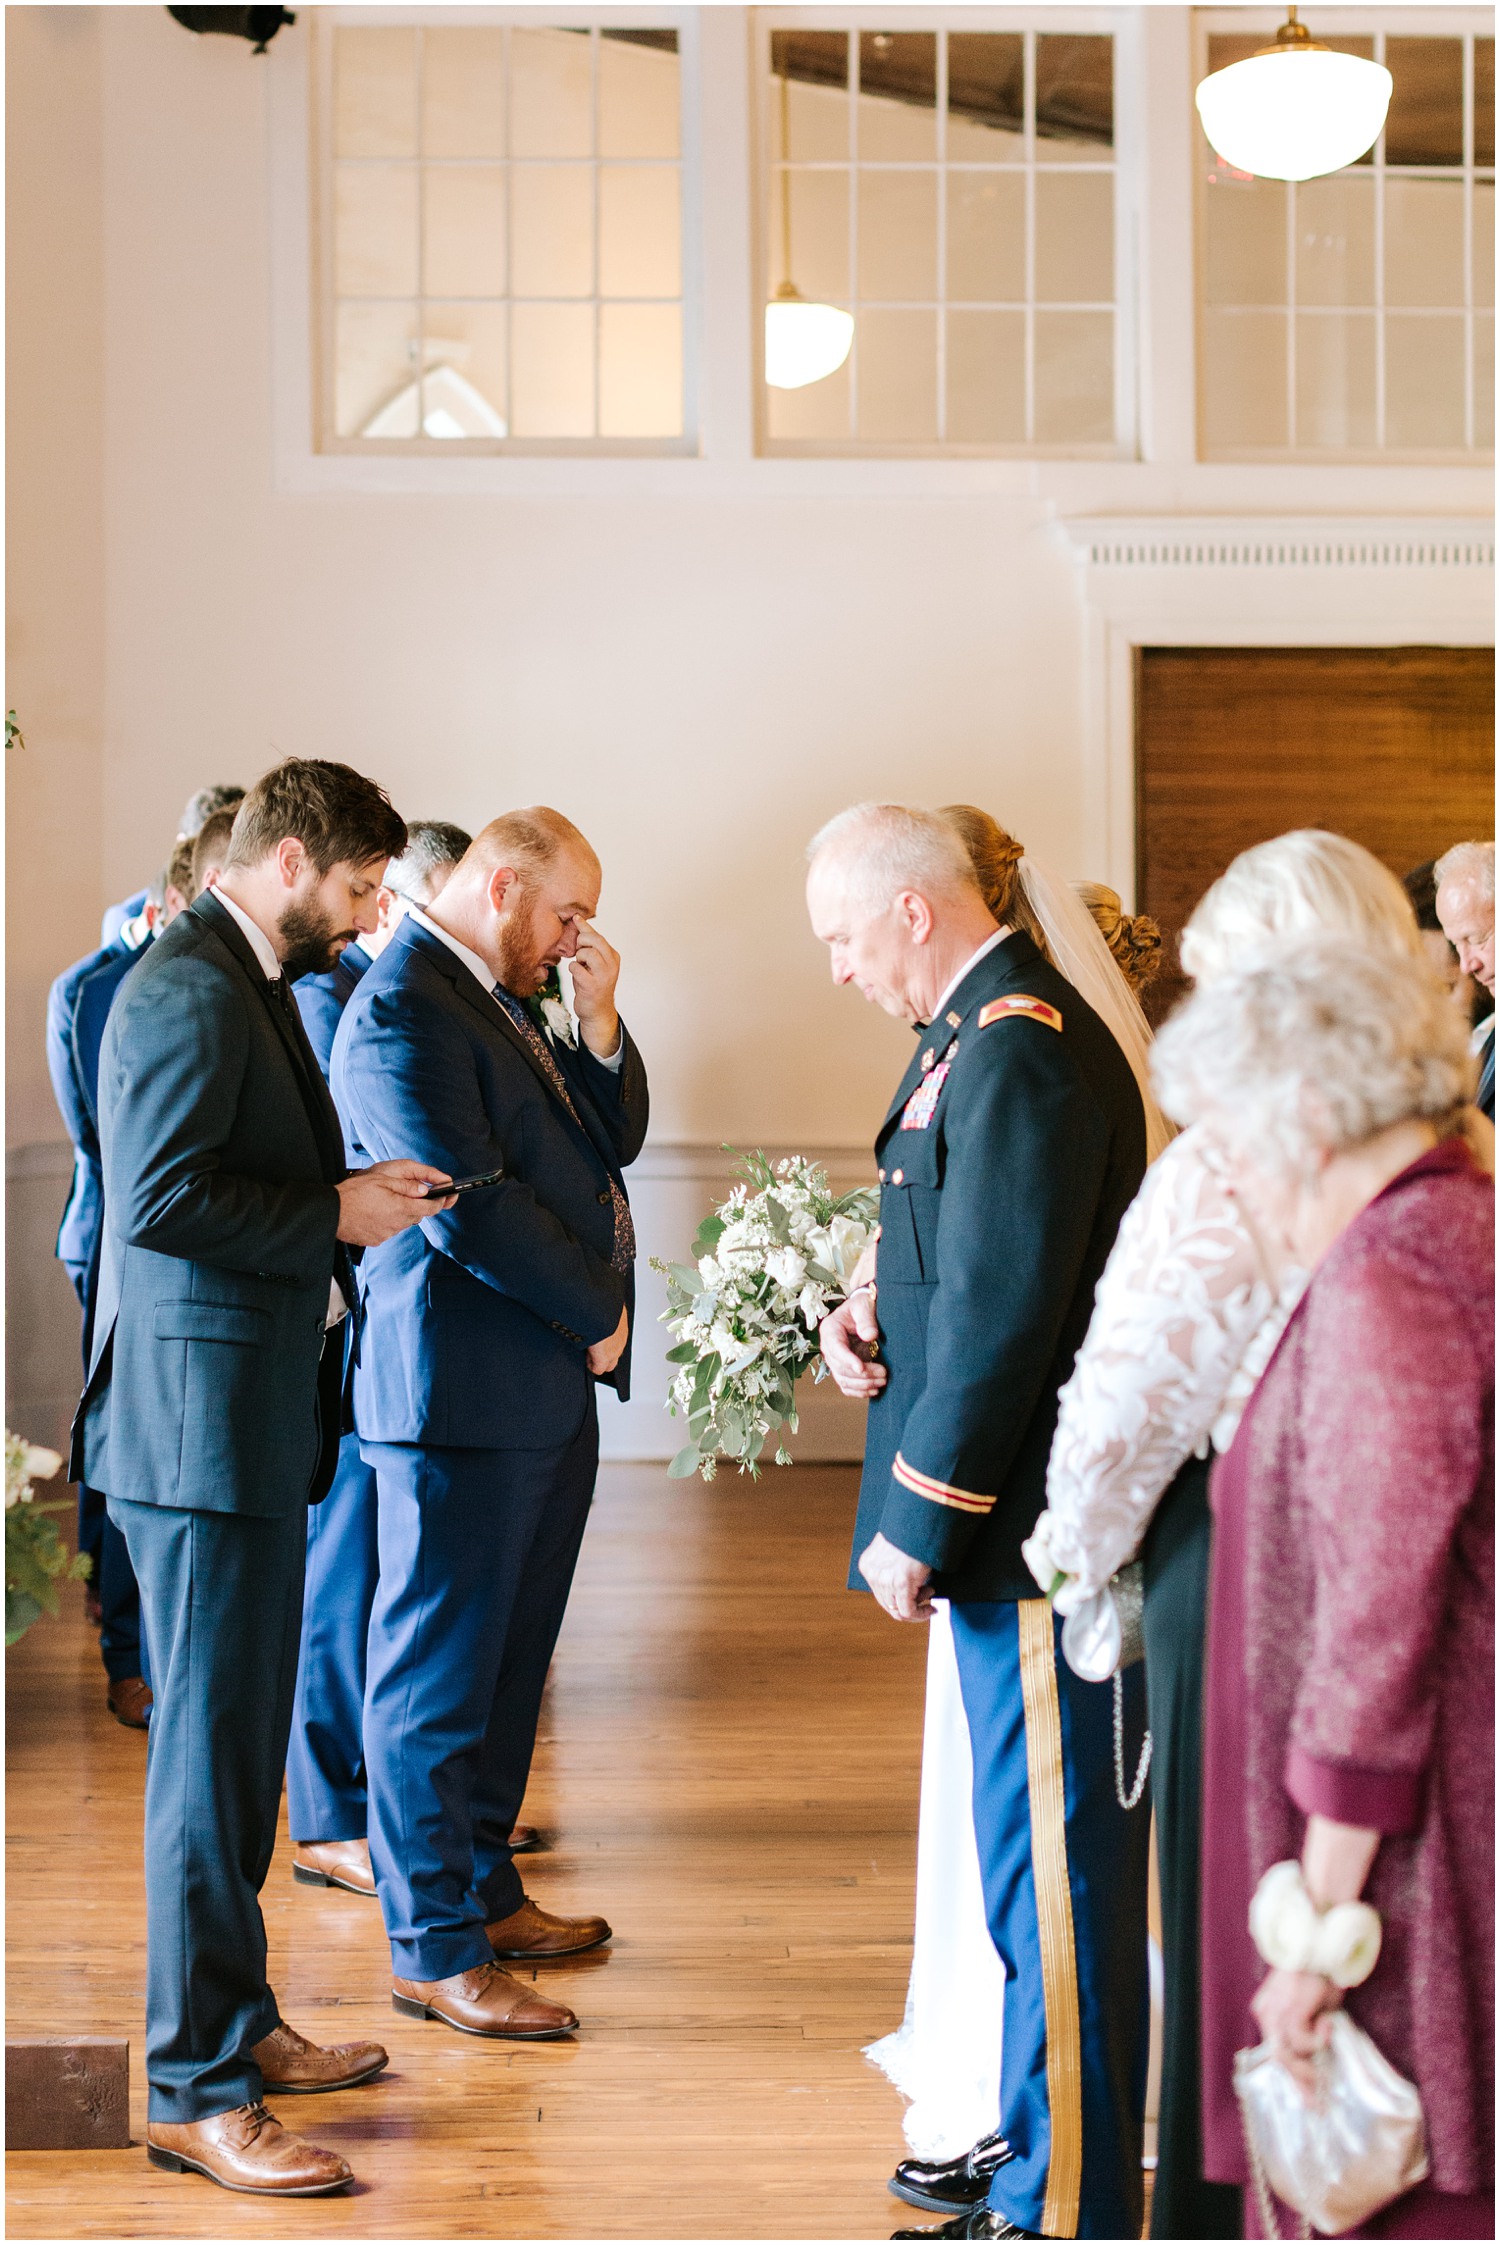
(35, 1554)
(769, 1264)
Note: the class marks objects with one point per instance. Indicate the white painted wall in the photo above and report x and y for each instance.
(696, 659)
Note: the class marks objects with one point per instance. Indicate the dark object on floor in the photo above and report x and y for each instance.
(979, 2221)
(258, 24)
(67, 2093)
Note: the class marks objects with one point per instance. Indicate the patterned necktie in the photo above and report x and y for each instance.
(623, 1252)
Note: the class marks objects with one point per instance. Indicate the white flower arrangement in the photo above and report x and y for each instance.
(769, 1264)
(35, 1554)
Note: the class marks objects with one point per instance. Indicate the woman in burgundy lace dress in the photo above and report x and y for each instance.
(1350, 1716)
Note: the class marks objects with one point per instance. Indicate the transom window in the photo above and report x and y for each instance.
(1355, 314)
(502, 237)
(955, 190)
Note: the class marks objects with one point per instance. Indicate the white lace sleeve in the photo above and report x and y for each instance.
(1183, 1297)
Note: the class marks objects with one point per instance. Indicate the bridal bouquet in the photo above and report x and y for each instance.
(768, 1266)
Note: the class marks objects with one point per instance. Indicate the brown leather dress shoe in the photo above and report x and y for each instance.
(523, 1838)
(294, 2067)
(129, 1701)
(247, 2149)
(343, 1863)
(485, 2001)
(535, 1934)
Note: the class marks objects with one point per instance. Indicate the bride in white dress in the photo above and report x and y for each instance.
(945, 2056)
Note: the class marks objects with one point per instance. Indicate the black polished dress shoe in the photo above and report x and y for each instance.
(979, 2221)
(948, 2186)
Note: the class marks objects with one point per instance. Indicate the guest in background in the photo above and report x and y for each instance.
(210, 853)
(325, 1769)
(210, 1418)
(198, 808)
(1420, 885)
(1466, 908)
(1190, 1307)
(485, 1332)
(78, 1006)
(1350, 1716)
(1134, 938)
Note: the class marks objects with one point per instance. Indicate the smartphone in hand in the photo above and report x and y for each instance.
(465, 1185)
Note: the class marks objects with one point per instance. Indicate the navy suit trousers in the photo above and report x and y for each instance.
(477, 1552)
(221, 1596)
(325, 1765)
(1064, 1872)
(122, 1647)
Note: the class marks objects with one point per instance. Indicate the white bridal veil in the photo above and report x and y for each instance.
(1080, 953)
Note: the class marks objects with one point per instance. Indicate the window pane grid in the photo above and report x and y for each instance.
(504, 261)
(899, 207)
(1382, 358)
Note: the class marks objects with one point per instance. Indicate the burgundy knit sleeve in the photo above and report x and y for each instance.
(1389, 1455)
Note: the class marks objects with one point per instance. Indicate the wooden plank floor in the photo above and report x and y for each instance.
(729, 1764)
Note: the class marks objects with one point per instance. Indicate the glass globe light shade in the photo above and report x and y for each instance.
(1296, 111)
(804, 342)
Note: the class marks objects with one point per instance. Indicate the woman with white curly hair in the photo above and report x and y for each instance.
(1190, 1307)
(1349, 1718)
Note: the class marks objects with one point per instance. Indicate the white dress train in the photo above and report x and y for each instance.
(945, 2056)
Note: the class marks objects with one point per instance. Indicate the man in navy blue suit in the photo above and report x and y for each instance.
(211, 1419)
(78, 1006)
(486, 1329)
(325, 1766)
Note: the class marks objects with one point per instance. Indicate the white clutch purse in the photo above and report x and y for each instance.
(1336, 2161)
(1103, 1637)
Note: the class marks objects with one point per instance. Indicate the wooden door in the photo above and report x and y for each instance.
(1393, 746)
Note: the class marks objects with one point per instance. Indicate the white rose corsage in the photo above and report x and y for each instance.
(1341, 1943)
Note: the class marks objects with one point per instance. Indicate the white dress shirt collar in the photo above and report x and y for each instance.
(482, 974)
(254, 934)
(969, 965)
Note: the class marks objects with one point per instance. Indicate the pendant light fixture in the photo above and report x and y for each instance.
(804, 342)
(1297, 109)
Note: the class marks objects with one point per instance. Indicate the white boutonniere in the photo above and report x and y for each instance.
(558, 1022)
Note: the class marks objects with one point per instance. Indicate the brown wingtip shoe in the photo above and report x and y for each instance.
(247, 2149)
(129, 1701)
(341, 1863)
(485, 2001)
(535, 1935)
(295, 2067)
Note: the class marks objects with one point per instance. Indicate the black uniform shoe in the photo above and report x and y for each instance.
(949, 2186)
(980, 2221)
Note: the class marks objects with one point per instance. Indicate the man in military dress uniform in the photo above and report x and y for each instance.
(1011, 1150)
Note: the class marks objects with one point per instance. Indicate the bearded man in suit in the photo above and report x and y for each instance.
(211, 1418)
(325, 1766)
(486, 1332)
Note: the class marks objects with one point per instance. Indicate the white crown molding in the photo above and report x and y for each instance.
(1281, 542)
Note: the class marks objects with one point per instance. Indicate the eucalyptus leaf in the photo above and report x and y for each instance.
(686, 1461)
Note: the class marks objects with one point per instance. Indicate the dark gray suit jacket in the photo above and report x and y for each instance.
(221, 1150)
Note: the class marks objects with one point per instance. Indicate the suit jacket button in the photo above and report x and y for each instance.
(881, 1174)
(897, 1176)
(602, 1199)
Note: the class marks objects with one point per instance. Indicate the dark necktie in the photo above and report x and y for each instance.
(623, 1253)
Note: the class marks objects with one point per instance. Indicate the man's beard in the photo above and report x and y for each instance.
(520, 972)
(313, 943)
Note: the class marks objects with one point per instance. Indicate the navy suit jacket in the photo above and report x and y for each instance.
(1006, 1165)
(477, 1322)
(78, 1007)
(1484, 1097)
(321, 999)
(221, 1150)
